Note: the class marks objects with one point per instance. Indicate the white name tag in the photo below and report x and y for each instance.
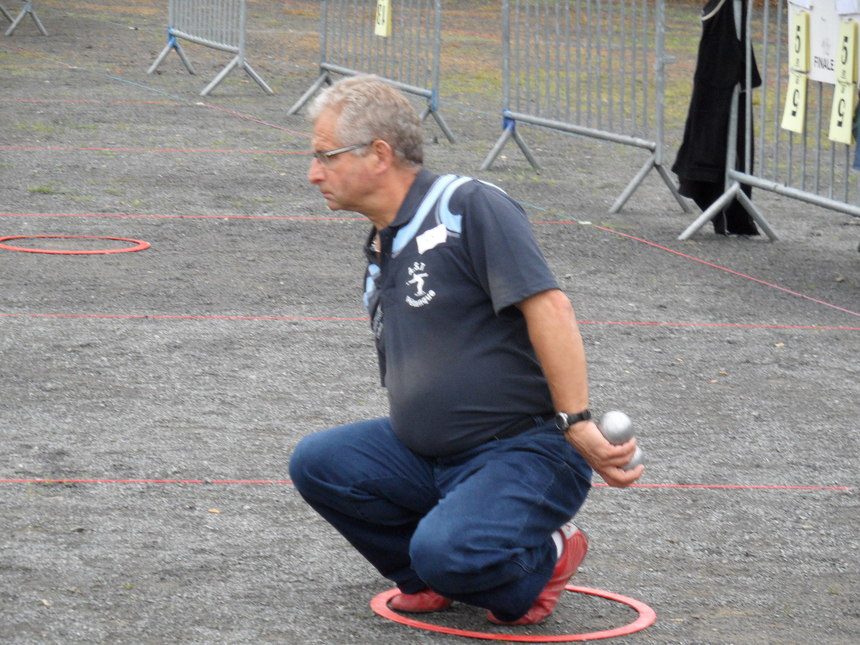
(432, 238)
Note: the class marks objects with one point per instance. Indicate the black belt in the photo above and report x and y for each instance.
(526, 424)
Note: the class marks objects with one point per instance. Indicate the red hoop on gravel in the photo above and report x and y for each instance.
(647, 616)
(138, 245)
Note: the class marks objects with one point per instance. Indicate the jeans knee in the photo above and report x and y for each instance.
(429, 560)
(306, 463)
(443, 563)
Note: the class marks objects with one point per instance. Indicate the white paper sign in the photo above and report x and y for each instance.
(823, 42)
(847, 7)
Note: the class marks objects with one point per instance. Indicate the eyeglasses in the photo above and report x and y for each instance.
(325, 157)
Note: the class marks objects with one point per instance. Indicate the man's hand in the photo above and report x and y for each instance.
(605, 458)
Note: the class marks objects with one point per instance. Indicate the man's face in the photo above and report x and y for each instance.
(343, 180)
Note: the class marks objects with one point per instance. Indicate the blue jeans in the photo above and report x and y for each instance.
(475, 526)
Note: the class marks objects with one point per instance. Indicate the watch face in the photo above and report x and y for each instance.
(563, 420)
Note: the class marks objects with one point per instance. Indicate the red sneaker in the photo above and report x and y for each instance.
(422, 602)
(575, 547)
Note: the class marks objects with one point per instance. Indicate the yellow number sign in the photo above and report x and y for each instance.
(842, 114)
(383, 18)
(794, 115)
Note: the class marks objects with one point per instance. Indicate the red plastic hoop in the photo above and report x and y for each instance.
(647, 616)
(138, 245)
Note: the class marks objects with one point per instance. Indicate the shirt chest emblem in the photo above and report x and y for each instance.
(418, 277)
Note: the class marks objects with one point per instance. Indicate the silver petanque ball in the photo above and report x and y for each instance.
(616, 426)
(638, 458)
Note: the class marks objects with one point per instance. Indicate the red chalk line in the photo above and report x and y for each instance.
(727, 270)
(89, 101)
(190, 317)
(255, 120)
(323, 218)
(37, 55)
(188, 150)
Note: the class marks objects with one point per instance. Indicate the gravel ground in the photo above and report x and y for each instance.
(151, 399)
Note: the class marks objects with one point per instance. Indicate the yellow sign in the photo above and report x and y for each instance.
(842, 115)
(846, 60)
(383, 18)
(794, 115)
(845, 90)
(798, 57)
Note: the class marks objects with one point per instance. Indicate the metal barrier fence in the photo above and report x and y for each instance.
(594, 68)
(25, 11)
(405, 52)
(219, 24)
(801, 163)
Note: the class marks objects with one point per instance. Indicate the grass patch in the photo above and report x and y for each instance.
(47, 189)
(36, 127)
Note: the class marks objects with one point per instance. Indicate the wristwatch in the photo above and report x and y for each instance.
(563, 420)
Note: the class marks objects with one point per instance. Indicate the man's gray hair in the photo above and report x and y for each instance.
(371, 109)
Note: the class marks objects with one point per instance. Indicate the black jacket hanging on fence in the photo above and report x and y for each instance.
(701, 161)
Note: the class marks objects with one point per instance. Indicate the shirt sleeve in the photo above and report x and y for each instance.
(501, 245)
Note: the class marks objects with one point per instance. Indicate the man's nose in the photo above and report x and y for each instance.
(315, 171)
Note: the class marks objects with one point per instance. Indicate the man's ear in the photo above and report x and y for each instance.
(384, 154)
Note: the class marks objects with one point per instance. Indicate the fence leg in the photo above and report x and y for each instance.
(734, 191)
(233, 64)
(38, 23)
(429, 111)
(16, 22)
(322, 79)
(172, 43)
(640, 177)
(711, 211)
(158, 60)
(253, 74)
(5, 13)
(221, 75)
(756, 214)
(181, 53)
(667, 179)
(500, 143)
(633, 185)
(28, 9)
(510, 132)
(523, 146)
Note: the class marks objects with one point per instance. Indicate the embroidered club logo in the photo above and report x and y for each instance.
(417, 277)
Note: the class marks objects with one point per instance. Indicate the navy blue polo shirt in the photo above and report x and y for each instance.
(454, 352)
